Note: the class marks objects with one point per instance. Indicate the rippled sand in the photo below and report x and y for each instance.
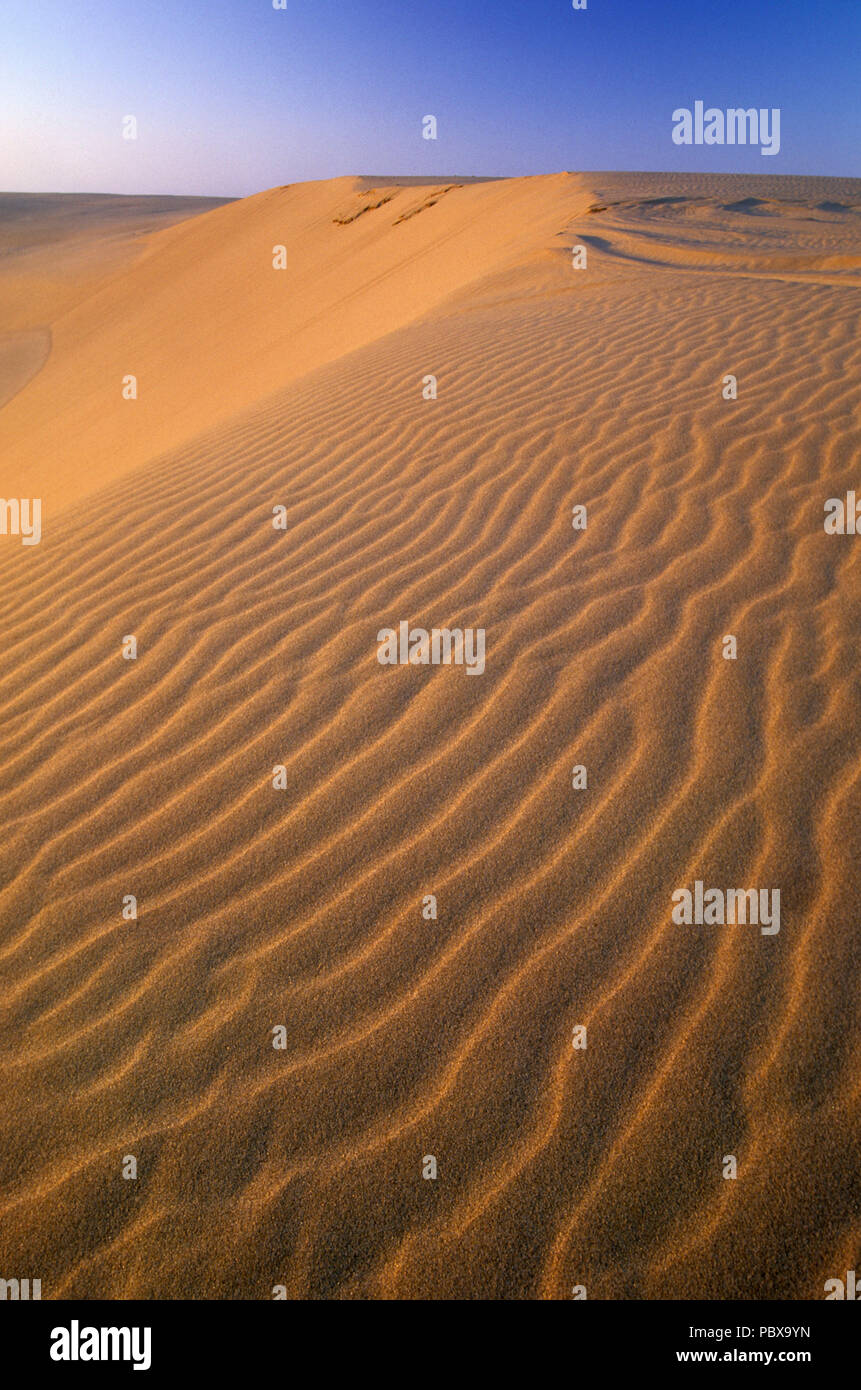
(408, 1037)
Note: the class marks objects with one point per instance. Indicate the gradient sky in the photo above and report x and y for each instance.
(232, 96)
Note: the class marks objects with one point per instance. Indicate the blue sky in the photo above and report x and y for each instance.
(232, 96)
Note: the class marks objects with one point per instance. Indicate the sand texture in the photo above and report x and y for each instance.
(408, 1037)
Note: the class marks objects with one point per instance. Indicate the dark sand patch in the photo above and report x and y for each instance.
(22, 356)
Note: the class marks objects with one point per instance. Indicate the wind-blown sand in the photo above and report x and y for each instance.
(303, 907)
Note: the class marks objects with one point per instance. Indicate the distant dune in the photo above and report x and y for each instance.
(406, 1036)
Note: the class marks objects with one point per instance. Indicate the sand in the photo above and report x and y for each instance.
(408, 1037)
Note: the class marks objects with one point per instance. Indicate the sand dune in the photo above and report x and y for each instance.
(302, 907)
(207, 325)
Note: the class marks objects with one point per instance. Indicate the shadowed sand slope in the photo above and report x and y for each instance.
(302, 906)
(57, 247)
(55, 250)
(22, 355)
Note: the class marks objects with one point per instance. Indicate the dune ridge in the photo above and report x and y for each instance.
(302, 907)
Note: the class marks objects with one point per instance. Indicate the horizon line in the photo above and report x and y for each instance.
(430, 179)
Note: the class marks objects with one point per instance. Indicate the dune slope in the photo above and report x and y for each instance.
(222, 309)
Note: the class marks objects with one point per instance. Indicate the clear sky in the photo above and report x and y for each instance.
(232, 96)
